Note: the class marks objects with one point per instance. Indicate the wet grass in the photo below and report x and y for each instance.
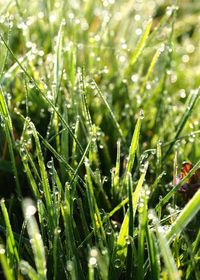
(99, 106)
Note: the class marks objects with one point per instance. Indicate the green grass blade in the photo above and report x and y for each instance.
(153, 255)
(81, 161)
(133, 147)
(66, 210)
(150, 69)
(7, 269)
(121, 245)
(113, 117)
(85, 108)
(30, 177)
(93, 207)
(170, 193)
(136, 194)
(186, 215)
(129, 263)
(36, 240)
(3, 58)
(4, 112)
(190, 104)
(140, 46)
(58, 63)
(42, 93)
(28, 270)
(64, 148)
(12, 253)
(43, 172)
(141, 237)
(74, 145)
(115, 173)
(166, 253)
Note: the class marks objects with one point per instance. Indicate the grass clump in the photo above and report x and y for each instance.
(99, 106)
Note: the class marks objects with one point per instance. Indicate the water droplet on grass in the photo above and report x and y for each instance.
(70, 266)
(30, 211)
(31, 84)
(141, 114)
(117, 263)
(2, 250)
(92, 261)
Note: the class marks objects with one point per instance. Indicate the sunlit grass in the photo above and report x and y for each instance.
(99, 106)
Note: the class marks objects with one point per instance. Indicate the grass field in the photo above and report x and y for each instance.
(99, 107)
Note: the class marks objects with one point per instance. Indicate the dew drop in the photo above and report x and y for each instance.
(117, 263)
(2, 251)
(70, 266)
(92, 261)
(50, 164)
(109, 230)
(30, 211)
(141, 114)
(31, 84)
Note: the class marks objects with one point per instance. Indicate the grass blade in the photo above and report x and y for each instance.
(4, 112)
(113, 117)
(140, 46)
(141, 237)
(58, 62)
(12, 253)
(170, 265)
(8, 271)
(27, 269)
(43, 94)
(150, 69)
(190, 104)
(170, 193)
(36, 240)
(153, 255)
(133, 147)
(186, 215)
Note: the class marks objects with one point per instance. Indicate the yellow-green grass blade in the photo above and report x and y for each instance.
(7, 269)
(12, 252)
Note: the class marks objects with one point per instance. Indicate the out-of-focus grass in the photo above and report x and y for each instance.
(97, 98)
